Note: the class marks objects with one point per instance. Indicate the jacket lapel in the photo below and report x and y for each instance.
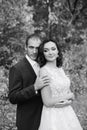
(28, 65)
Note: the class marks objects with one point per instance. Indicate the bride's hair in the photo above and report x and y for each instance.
(41, 59)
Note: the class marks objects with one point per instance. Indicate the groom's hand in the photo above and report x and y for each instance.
(70, 96)
(41, 82)
(63, 103)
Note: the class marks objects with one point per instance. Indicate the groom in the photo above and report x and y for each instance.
(25, 85)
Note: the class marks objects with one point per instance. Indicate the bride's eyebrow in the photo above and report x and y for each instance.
(45, 48)
(49, 48)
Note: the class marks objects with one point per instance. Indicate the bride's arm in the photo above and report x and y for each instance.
(50, 101)
(47, 98)
(70, 95)
(46, 94)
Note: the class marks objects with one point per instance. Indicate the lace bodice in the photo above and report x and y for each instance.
(52, 117)
(60, 83)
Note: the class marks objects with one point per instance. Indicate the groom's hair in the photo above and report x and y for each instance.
(32, 36)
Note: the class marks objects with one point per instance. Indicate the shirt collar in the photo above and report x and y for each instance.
(32, 62)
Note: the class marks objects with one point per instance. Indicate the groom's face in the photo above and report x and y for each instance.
(32, 47)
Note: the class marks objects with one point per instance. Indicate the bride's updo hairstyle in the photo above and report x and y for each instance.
(41, 59)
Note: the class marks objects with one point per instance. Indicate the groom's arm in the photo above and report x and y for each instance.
(18, 93)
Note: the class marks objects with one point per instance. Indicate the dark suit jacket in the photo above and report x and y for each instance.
(22, 93)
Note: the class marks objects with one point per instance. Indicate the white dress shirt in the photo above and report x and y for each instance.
(34, 64)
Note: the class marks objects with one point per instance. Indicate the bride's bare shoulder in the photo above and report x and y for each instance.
(43, 70)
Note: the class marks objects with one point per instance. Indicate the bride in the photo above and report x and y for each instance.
(57, 112)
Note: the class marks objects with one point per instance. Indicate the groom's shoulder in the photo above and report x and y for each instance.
(19, 63)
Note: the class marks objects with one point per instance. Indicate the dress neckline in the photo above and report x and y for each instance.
(52, 68)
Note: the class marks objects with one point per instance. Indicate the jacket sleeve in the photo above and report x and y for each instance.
(18, 94)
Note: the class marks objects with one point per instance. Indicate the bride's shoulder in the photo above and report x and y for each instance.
(43, 70)
(61, 69)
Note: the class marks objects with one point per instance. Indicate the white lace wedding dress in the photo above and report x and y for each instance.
(59, 118)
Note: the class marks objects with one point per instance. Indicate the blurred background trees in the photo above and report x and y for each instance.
(63, 20)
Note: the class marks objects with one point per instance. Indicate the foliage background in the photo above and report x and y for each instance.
(64, 21)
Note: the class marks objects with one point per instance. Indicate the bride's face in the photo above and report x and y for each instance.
(50, 51)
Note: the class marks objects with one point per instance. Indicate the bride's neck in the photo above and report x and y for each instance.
(51, 64)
